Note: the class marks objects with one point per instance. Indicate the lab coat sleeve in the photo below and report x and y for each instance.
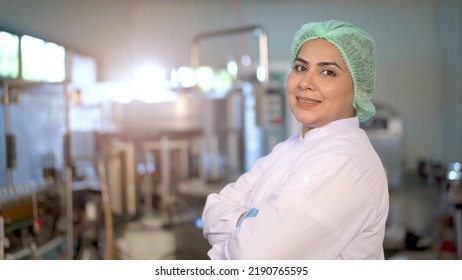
(222, 210)
(219, 217)
(315, 216)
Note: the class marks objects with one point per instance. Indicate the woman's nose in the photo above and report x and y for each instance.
(307, 82)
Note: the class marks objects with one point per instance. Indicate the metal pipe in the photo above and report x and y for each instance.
(458, 231)
(68, 178)
(214, 155)
(203, 160)
(147, 182)
(233, 151)
(165, 168)
(257, 30)
(6, 110)
(6, 103)
(23, 83)
(107, 211)
(129, 153)
(69, 214)
(2, 233)
(40, 251)
(35, 214)
(184, 164)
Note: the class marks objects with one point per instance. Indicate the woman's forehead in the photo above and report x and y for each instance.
(319, 47)
(320, 50)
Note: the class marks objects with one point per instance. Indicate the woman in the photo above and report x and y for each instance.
(323, 194)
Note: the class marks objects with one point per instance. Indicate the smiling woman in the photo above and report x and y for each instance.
(324, 190)
(357, 50)
(320, 88)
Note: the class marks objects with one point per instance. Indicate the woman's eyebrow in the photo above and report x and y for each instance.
(324, 63)
(327, 63)
(301, 60)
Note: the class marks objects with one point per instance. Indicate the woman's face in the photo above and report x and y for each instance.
(320, 87)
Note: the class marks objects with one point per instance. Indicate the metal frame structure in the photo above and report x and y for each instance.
(260, 89)
(257, 30)
(7, 99)
(165, 146)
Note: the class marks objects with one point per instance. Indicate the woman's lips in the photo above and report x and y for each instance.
(307, 102)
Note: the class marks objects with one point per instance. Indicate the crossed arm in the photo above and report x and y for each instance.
(315, 218)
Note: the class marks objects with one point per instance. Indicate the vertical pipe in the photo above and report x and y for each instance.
(69, 214)
(147, 191)
(35, 215)
(458, 231)
(130, 170)
(165, 167)
(68, 177)
(233, 151)
(184, 164)
(263, 52)
(2, 232)
(165, 180)
(202, 156)
(107, 211)
(233, 126)
(261, 91)
(214, 155)
(6, 109)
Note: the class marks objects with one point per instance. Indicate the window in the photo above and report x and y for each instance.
(55, 63)
(9, 55)
(42, 61)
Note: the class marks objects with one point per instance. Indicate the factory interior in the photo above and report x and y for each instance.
(118, 118)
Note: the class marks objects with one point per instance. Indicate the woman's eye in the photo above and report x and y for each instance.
(328, 73)
(299, 68)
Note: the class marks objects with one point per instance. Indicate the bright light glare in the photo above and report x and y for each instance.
(55, 69)
(186, 77)
(9, 59)
(453, 175)
(126, 92)
(33, 59)
(174, 80)
(261, 73)
(42, 61)
(457, 166)
(222, 82)
(151, 74)
(204, 78)
(232, 68)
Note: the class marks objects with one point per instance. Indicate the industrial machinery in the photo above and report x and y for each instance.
(34, 191)
(208, 137)
(101, 173)
(454, 199)
(189, 146)
(38, 80)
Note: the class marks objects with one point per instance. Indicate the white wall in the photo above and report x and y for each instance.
(124, 34)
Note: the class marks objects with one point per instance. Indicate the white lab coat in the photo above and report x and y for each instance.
(322, 196)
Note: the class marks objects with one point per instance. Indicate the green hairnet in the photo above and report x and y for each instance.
(357, 49)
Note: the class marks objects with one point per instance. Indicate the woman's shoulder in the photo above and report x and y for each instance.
(352, 145)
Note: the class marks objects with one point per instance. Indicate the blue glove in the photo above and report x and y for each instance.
(252, 212)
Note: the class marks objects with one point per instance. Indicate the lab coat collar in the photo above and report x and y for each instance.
(322, 131)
